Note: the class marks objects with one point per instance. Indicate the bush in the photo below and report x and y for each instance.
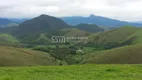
(42, 48)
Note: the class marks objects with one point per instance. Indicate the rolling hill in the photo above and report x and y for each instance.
(72, 32)
(40, 24)
(135, 38)
(122, 55)
(119, 45)
(46, 38)
(89, 28)
(39, 29)
(10, 56)
(128, 41)
(8, 40)
(113, 38)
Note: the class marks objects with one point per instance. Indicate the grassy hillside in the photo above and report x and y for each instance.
(75, 72)
(46, 38)
(89, 28)
(74, 32)
(122, 55)
(113, 38)
(24, 57)
(8, 40)
(135, 38)
(38, 39)
(116, 35)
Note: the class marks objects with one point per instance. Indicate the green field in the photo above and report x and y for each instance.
(74, 72)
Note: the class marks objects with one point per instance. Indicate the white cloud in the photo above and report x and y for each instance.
(129, 10)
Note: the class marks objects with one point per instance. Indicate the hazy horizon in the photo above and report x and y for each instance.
(125, 10)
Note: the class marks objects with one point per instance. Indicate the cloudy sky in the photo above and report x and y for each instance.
(128, 10)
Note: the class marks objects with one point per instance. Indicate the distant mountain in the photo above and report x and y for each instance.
(9, 29)
(89, 28)
(17, 20)
(138, 22)
(39, 29)
(4, 22)
(41, 24)
(98, 20)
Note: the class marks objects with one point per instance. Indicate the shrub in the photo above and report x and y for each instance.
(42, 48)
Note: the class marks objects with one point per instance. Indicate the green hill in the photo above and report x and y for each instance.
(135, 38)
(72, 32)
(129, 43)
(131, 54)
(89, 27)
(8, 40)
(24, 57)
(40, 24)
(37, 39)
(9, 29)
(113, 38)
(46, 38)
(32, 31)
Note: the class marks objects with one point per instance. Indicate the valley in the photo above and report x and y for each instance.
(116, 46)
(38, 49)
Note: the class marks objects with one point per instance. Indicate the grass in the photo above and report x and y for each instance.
(131, 54)
(113, 36)
(70, 32)
(74, 72)
(135, 38)
(10, 56)
(8, 40)
(129, 42)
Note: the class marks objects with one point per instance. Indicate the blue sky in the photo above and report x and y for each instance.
(128, 10)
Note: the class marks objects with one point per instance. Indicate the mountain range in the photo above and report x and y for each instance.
(76, 20)
(98, 20)
(31, 43)
(4, 21)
